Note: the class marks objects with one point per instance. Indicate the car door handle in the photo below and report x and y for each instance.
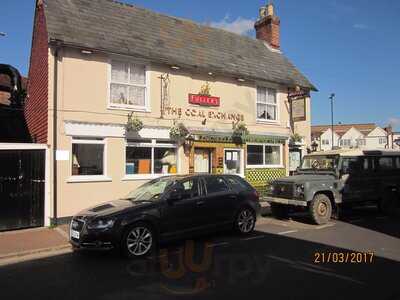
(201, 202)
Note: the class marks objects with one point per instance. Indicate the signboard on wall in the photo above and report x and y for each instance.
(299, 109)
(204, 100)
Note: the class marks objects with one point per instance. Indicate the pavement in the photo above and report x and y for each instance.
(24, 243)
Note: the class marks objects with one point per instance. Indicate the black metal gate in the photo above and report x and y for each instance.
(22, 178)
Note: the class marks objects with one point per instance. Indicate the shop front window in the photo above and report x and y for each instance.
(87, 157)
(150, 158)
(264, 155)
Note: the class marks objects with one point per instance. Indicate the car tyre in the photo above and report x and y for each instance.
(245, 221)
(279, 211)
(320, 209)
(138, 241)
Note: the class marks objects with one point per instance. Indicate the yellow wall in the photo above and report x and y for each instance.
(83, 96)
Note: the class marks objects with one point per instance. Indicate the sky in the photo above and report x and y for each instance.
(347, 47)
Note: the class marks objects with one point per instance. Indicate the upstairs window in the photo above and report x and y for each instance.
(382, 140)
(128, 87)
(345, 143)
(267, 108)
(325, 142)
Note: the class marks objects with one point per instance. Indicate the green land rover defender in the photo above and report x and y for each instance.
(328, 180)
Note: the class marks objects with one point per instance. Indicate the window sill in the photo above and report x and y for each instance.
(127, 108)
(265, 167)
(88, 178)
(262, 121)
(144, 176)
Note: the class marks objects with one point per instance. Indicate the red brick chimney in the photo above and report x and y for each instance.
(268, 26)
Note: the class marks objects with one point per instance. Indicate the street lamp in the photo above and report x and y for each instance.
(332, 97)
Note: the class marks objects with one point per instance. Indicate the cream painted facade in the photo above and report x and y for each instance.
(83, 109)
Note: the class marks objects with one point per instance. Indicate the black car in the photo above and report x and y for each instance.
(167, 208)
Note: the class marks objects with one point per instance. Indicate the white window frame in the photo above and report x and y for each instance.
(382, 141)
(326, 142)
(89, 178)
(241, 151)
(265, 165)
(277, 106)
(110, 105)
(153, 144)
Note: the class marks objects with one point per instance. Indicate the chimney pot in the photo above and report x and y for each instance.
(268, 26)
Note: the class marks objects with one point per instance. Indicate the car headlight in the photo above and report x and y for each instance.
(270, 189)
(101, 224)
(300, 189)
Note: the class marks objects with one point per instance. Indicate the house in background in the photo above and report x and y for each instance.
(361, 136)
(109, 80)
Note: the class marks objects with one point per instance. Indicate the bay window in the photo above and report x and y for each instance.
(150, 157)
(267, 108)
(128, 86)
(264, 155)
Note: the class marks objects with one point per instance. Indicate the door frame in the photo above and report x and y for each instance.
(241, 151)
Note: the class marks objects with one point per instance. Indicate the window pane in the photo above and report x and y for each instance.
(136, 95)
(255, 155)
(271, 96)
(165, 161)
(386, 163)
(272, 155)
(261, 111)
(189, 188)
(261, 95)
(87, 159)
(215, 185)
(138, 160)
(119, 93)
(138, 74)
(271, 112)
(119, 72)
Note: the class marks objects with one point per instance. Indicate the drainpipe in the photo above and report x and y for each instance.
(57, 46)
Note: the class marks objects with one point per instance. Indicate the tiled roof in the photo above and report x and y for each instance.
(119, 28)
(341, 129)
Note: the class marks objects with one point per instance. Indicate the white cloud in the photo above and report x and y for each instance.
(240, 25)
(395, 122)
(360, 26)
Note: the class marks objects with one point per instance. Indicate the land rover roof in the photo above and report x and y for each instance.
(356, 152)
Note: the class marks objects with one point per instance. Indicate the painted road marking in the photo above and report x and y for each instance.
(325, 226)
(253, 238)
(287, 232)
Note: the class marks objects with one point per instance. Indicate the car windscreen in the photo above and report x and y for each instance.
(151, 190)
(320, 162)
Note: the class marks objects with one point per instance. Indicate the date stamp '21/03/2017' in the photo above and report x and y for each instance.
(343, 257)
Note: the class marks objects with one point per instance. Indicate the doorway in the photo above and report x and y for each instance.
(233, 161)
(202, 160)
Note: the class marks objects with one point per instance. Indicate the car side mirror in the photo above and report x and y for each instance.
(174, 196)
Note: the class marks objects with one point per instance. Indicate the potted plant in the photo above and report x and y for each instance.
(134, 124)
(178, 132)
(240, 132)
(296, 139)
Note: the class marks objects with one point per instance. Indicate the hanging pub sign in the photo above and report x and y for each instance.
(204, 98)
(297, 100)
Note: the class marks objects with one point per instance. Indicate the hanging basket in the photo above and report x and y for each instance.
(179, 133)
(134, 124)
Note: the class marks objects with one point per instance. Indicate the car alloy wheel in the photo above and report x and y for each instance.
(246, 221)
(139, 241)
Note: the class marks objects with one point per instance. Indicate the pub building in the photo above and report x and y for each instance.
(123, 95)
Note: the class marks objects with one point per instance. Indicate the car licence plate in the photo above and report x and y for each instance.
(75, 234)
